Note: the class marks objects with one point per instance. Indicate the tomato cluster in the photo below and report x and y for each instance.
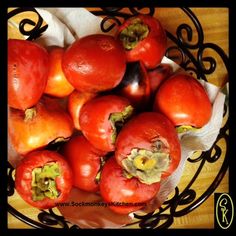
(114, 109)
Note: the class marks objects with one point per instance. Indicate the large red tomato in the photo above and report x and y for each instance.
(75, 102)
(148, 147)
(43, 179)
(27, 73)
(85, 161)
(124, 195)
(100, 118)
(38, 126)
(94, 63)
(184, 101)
(144, 39)
(57, 84)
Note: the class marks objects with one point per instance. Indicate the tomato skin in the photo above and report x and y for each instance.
(184, 101)
(23, 177)
(94, 63)
(151, 49)
(75, 102)
(85, 161)
(94, 120)
(116, 188)
(27, 73)
(140, 132)
(57, 84)
(49, 123)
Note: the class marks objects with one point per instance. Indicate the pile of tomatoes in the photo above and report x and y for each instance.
(112, 107)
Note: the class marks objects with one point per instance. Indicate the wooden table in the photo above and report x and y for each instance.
(215, 26)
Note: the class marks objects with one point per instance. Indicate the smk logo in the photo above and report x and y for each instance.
(224, 210)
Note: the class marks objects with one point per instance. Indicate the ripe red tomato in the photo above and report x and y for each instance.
(85, 161)
(135, 85)
(144, 39)
(43, 179)
(27, 73)
(130, 193)
(75, 102)
(38, 126)
(94, 63)
(148, 147)
(57, 84)
(158, 75)
(184, 101)
(100, 117)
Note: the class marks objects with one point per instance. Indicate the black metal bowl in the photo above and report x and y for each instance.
(187, 198)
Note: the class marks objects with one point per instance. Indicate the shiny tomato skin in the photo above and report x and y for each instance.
(116, 188)
(75, 102)
(27, 73)
(184, 101)
(85, 161)
(151, 49)
(94, 63)
(23, 177)
(141, 131)
(94, 120)
(51, 121)
(57, 84)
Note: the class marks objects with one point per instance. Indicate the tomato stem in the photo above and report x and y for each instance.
(43, 182)
(118, 119)
(147, 165)
(30, 113)
(184, 128)
(135, 32)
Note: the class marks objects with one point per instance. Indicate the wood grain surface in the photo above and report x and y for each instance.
(215, 26)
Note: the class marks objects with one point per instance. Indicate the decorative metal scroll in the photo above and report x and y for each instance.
(183, 48)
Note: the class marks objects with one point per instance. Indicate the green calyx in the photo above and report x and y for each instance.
(30, 113)
(43, 182)
(184, 128)
(146, 165)
(135, 32)
(118, 119)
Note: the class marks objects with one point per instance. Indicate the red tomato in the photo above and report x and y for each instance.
(135, 85)
(38, 126)
(144, 39)
(100, 117)
(94, 63)
(43, 179)
(148, 147)
(85, 161)
(158, 75)
(27, 73)
(75, 102)
(130, 193)
(184, 101)
(57, 84)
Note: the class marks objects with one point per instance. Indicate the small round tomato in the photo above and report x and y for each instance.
(184, 101)
(124, 195)
(148, 147)
(43, 179)
(85, 161)
(75, 102)
(135, 85)
(94, 63)
(100, 118)
(57, 84)
(27, 73)
(36, 127)
(144, 39)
